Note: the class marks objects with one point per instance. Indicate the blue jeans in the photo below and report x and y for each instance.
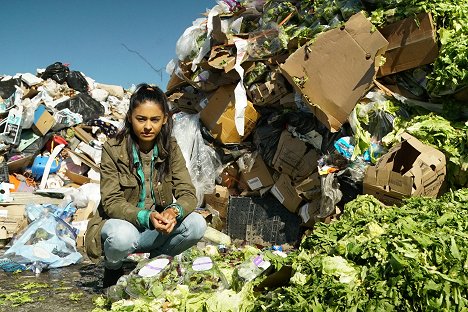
(122, 238)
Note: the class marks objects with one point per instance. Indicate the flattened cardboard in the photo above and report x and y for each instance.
(285, 192)
(334, 71)
(410, 168)
(411, 43)
(219, 200)
(218, 116)
(15, 165)
(259, 176)
(77, 178)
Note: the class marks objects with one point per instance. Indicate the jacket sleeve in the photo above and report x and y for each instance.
(183, 189)
(112, 197)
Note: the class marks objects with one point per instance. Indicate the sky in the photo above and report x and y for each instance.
(91, 35)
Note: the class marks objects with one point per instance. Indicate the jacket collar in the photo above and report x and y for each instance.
(123, 153)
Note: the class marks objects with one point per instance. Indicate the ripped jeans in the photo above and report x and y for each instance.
(121, 238)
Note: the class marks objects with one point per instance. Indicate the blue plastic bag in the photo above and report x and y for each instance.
(48, 242)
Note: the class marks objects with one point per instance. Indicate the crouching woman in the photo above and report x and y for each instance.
(147, 196)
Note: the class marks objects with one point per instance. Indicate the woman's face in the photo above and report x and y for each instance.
(147, 120)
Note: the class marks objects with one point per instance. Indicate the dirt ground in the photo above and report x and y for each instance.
(69, 288)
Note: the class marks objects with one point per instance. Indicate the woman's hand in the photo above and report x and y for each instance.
(163, 222)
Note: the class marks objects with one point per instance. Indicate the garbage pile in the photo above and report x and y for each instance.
(303, 105)
(314, 103)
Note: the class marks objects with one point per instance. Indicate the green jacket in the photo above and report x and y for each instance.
(120, 191)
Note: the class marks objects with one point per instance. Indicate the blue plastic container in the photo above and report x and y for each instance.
(39, 164)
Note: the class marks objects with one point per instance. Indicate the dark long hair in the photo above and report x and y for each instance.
(143, 93)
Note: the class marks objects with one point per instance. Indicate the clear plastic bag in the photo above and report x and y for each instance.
(188, 45)
(201, 160)
(331, 195)
(151, 277)
(266, 42)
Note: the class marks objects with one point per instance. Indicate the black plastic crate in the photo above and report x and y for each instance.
(262, 220)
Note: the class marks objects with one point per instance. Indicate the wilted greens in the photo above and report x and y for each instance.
(378, 258)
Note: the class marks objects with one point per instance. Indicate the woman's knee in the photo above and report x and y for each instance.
(119, 235)
(196, 225)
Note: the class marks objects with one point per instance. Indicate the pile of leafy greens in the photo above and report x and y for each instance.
(379, 258)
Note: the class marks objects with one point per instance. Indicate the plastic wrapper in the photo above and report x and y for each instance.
(249, 270)
(48, 242)
(203, 275)
(151, 277)
(266, 42)
(349, 7)
(148, 279)
(201, 160)
(331, 195)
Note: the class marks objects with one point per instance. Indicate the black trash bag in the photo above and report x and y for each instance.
(267, 133)
(329, 138)
(306, 122)
(83, 104)
(77, 81)
(350, 186)
(53, 69)
(7, 87)
(60, 77)
(303, 122)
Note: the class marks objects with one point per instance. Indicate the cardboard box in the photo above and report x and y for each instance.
(306, 166)
(43, 121)
(286, 194)
(269, 92)
(310, 188)
(219, 200)
(12, 217)
(218, 116)
(411, 43)
(336, 69)
(259, 176)
(80, 221)
(187, 101)
(289, 156)
(410, 168)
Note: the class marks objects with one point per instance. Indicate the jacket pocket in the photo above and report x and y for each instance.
(127, 181)
(130, 187)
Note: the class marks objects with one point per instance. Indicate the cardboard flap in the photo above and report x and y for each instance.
(361, 30)
(334, 71)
